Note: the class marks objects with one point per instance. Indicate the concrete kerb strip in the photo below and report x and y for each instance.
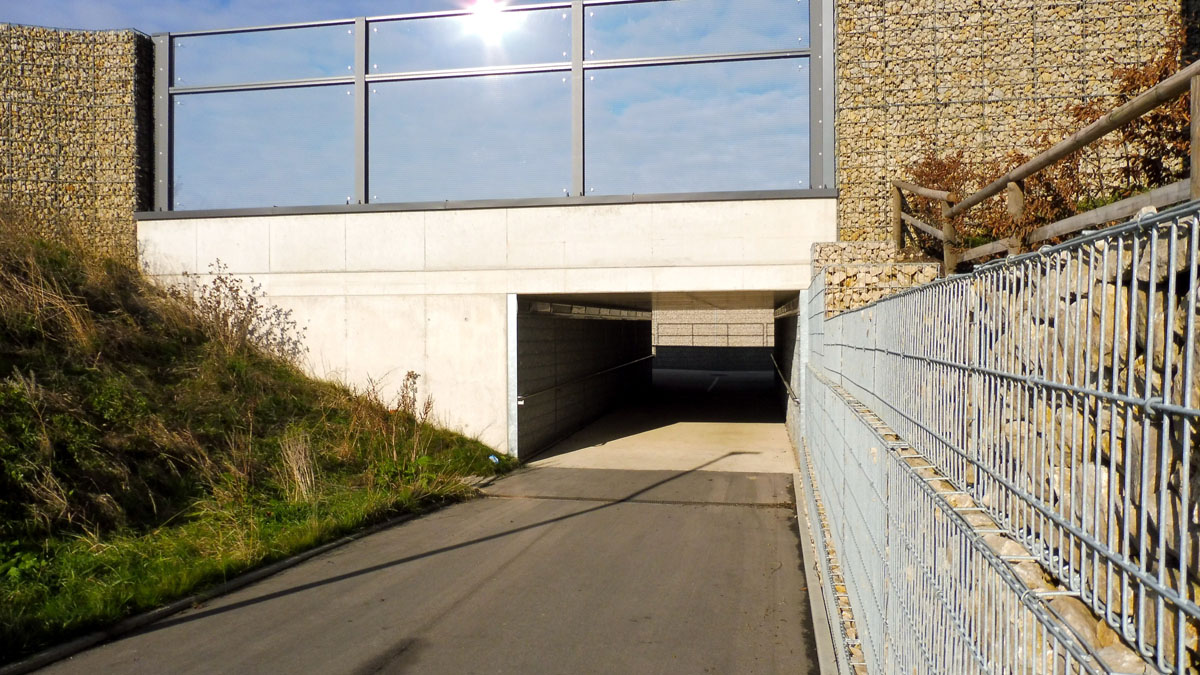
(126, 626)
(822, 628)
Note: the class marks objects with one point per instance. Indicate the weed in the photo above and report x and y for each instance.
(298, 473)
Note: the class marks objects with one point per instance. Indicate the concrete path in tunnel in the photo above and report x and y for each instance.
(725, 420)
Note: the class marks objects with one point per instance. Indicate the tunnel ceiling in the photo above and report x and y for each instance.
(672, 301)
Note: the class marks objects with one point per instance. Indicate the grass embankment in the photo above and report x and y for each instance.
(156, 442)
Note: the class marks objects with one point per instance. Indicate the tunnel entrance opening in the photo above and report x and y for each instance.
(587, 396)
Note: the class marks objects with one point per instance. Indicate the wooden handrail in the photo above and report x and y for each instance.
(939, 195)
(923, 226)
(1160, 198)
(1163, 196)
(1195, 138)
(1148, 100)
(990, 248)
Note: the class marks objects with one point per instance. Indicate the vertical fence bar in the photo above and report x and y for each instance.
(164, 69)
(361, 110)
(578, 185)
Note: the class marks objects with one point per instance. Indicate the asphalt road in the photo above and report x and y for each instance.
(557, 571)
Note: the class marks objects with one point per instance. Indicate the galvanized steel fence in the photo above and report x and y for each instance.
(1009, 459)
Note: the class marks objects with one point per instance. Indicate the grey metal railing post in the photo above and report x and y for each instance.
(361, 111)
(577, 149)
(164, 69)
(821, 94)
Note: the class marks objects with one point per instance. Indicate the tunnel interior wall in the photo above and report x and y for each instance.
(713, 358)
(791, 355)
(569, 372)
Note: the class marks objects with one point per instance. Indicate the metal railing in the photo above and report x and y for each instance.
(1049, 406)
(575, 66)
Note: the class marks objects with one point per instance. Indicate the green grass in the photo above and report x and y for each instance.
(153, 443)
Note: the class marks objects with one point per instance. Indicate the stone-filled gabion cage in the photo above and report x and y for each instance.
(76, 144)
(987, 78)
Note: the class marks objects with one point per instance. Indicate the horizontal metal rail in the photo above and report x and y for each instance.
(468, 204)
(370, 19)
(448, 73)
(521, 398)
(786, 382)
(389, 17)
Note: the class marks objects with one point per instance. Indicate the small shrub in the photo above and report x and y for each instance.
(236, 315)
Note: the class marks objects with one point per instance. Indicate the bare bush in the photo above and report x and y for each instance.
(418, 417)
(235, 313)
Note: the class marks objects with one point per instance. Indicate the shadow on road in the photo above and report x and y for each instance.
(167, 623)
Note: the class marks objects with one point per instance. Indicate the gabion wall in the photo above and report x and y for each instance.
(983, 76)
(76, 130)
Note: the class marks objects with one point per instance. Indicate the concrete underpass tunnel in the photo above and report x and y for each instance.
(660, 380)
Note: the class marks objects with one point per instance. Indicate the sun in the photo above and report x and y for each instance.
(490, 22)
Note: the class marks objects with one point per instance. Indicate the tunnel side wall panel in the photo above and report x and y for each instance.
(561, 378)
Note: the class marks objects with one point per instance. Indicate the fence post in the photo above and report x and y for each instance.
(950, 248)
(1015, 201)
(1195, 141)
(897, 222)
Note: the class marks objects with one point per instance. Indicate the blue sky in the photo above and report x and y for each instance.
(685, 128)
(158, 16)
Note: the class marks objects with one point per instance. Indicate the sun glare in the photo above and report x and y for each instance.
(490, 22)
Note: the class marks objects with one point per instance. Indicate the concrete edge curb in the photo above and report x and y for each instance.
(822, 628)
(128, 625)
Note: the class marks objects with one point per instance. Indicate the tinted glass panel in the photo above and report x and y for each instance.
(501, 136)
(295, 53)
(282, 147)
(476, 40)
(686, 27)
(697, 127)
